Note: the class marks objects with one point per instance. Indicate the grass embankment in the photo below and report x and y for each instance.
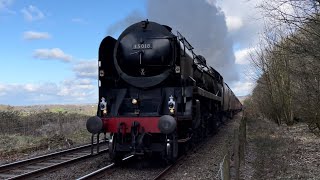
(281, 152)
(23, 132)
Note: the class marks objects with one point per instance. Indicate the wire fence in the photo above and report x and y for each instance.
(29, 131)
(40, 123)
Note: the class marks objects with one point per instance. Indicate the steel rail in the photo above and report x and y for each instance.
(22, 162)
(163, 173)
(168, 168)
(100, 172)
(7, 170)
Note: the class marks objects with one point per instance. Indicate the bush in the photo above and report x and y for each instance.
(41, 130)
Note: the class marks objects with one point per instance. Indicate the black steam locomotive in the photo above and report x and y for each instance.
(156, 93)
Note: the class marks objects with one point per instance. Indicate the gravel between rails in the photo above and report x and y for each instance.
(134, 173)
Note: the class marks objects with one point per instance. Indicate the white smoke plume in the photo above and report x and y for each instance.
(204, 26)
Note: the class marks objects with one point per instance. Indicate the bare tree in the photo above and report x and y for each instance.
(289, 62)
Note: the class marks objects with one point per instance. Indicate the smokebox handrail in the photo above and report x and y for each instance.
(198, 61)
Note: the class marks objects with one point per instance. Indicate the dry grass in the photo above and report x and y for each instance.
(23, 133)
(281, 152)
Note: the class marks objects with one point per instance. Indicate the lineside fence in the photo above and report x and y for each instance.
(234, 157)
(40, 123)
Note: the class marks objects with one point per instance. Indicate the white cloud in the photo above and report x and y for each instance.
(32, 35)
(242, 88)
(83, 88)
(77, 88)
(32, 13)
(30, 87)
(54, 53)
(3, 89)
(67, 91)
(245, 22)
(243, 55)
(233, 23)
(86, 69)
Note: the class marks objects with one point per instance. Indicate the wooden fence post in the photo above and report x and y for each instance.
(236, 153)
(226, 166)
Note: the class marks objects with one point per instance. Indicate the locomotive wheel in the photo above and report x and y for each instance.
(223, 118)
(197, 136)
(231, 115)
(205, 128)
(113, 154)
(214, 123)
(171, 151)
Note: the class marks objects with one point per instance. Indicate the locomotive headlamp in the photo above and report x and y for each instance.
(103, 105)
(134, 101)
(171, 104)
(101, 73)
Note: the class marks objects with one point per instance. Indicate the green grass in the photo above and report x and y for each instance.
(58, 109)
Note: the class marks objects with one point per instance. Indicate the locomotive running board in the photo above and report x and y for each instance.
(207, 94)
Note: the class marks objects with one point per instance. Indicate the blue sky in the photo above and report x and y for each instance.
(76, 29)
(48, 49)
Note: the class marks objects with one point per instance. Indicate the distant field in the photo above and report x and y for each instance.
(87, 109)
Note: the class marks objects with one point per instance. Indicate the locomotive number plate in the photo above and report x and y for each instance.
(142, 46)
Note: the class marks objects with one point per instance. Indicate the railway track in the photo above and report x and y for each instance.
(46, 163)
(101, 173)
(166, 170)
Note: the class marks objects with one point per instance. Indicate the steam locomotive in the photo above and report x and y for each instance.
(156, 94)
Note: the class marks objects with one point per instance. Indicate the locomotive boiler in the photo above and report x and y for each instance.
(155, 93)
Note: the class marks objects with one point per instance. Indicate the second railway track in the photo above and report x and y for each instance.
(46, 163)
(101, 173)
